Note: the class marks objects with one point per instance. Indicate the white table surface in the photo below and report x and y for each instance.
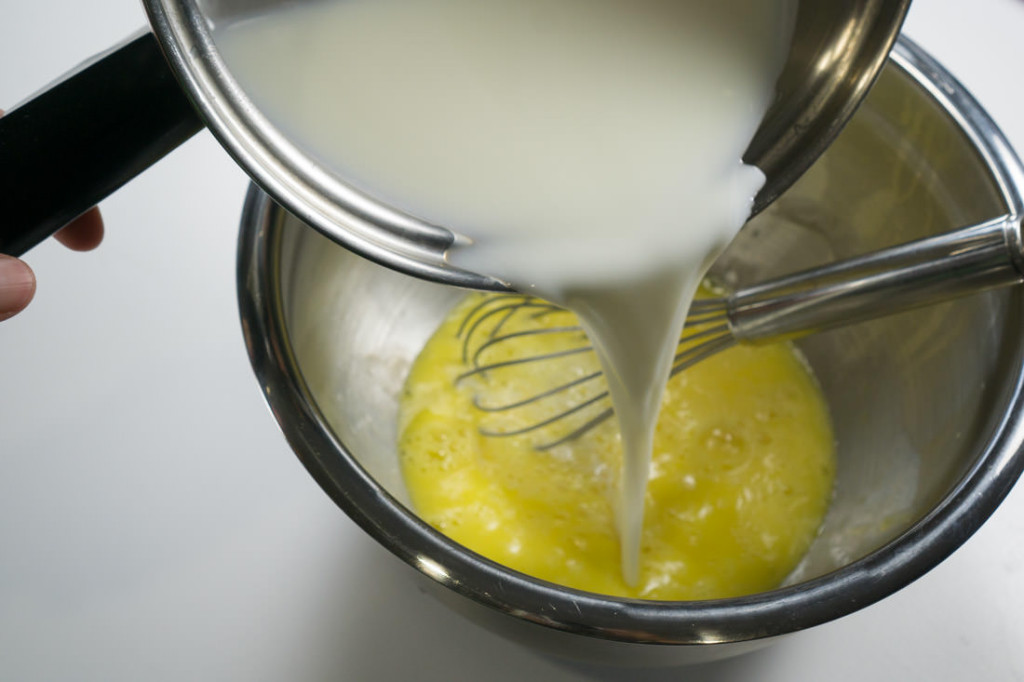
(154, 524)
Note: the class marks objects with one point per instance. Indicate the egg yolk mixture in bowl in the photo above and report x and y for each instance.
(741, 476)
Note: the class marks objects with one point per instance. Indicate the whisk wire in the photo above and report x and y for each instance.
(578, 431)
(494, 341)
(509, 306)
(698, 353)
(483, 369)
(561, 388)
(503, 322)
(579, 407)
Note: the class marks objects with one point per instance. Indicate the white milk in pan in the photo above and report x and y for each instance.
(590, 149)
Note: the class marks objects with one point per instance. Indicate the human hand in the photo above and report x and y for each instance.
(18, 282)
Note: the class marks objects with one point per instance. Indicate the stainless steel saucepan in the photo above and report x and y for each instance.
(104, 123)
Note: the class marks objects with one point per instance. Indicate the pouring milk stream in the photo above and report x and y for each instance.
(590, 150)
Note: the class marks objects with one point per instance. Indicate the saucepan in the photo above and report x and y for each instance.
(72, 145)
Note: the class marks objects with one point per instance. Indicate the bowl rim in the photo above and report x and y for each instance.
(768, 614)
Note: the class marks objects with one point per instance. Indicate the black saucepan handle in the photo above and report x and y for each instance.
(84, 137)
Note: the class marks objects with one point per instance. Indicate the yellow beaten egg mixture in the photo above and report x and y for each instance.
(740, 479)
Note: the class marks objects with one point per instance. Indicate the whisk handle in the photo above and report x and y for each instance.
(966, 261)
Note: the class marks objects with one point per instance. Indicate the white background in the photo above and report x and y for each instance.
(154, 525)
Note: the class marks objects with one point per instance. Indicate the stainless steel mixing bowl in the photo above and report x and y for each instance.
(926, 405)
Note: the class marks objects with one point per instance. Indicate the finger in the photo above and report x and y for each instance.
(17, 286)
(84, 233)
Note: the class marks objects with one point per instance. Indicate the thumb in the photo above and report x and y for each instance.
(17, 286)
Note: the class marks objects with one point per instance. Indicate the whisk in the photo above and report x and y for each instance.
(508, 338)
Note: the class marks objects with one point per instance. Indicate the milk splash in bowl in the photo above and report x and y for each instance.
(588, 149)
